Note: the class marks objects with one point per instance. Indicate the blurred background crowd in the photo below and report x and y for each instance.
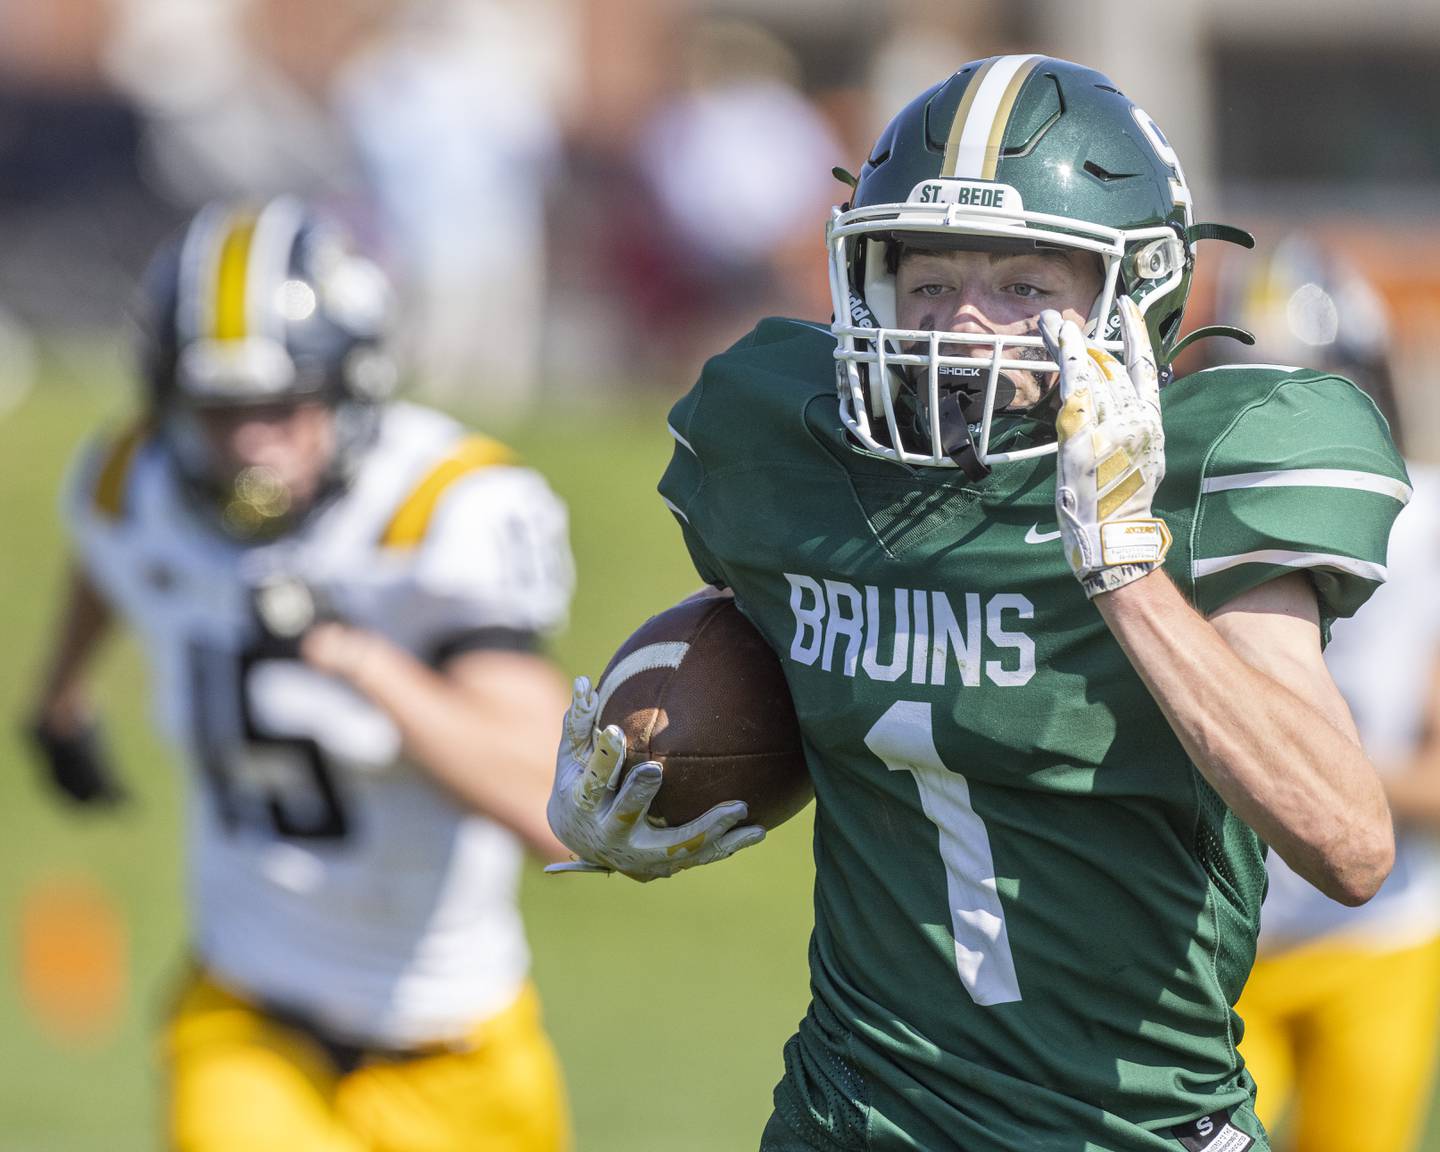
(587, 194)
(579, 200)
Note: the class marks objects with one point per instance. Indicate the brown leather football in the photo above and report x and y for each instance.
(698, 689)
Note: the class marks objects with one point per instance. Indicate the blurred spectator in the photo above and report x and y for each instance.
(439, 115)
(922, 41)
(454, 114)
(222, 117)
(76, 217)
(736, 171)
(1341, 1007)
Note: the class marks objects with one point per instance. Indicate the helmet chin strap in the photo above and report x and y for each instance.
(959, 410)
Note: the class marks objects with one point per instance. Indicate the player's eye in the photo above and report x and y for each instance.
(1027, 291)
(930, 289)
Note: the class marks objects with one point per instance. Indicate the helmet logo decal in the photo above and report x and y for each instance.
(973, 148)
(1179, 190)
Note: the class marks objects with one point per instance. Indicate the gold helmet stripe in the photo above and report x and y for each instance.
(972, 150)
(233, 266)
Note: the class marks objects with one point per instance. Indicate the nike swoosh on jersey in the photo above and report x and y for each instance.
(1035, 536)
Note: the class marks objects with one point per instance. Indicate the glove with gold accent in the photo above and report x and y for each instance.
(1111, 455)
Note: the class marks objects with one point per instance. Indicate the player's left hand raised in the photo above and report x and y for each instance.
(1111, 455)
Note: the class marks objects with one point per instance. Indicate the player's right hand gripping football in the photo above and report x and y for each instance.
(604, 822)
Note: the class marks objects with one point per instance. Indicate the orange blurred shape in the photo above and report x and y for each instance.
(72, 959)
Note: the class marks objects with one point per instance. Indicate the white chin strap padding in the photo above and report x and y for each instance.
(1094, 323)
(879, 287)
(879, 293)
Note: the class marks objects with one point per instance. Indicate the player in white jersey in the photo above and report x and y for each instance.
(343, 602)
(1341, 1006)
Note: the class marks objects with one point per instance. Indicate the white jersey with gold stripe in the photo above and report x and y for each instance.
(1382, 659)
(328, 875)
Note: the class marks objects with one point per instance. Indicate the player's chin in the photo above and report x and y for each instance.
(1016, 389)
(1025, 386)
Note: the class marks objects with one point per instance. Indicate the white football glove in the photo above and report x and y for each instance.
(1111, 454)
(606, 826)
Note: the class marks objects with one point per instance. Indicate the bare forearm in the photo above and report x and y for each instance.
(85, 621)
(490, 745)
(1283, 766)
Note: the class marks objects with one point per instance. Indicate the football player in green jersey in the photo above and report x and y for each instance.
(1054, 641)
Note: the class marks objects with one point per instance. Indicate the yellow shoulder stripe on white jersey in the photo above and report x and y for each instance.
(113, 475)
(412, 519)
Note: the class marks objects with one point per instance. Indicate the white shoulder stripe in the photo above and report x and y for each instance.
(647, 659)
(679, 439)
(675, 510)
(1285, 558)
(1311, 478)
(1275, 367)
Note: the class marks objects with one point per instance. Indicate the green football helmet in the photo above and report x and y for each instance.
(1013, 150)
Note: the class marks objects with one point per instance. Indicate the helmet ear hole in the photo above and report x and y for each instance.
(1169, 328)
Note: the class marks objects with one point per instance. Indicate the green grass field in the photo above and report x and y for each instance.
(669, 1002)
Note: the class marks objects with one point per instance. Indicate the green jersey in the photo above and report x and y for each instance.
(1032, 913)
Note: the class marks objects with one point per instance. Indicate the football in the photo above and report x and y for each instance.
(697, 689)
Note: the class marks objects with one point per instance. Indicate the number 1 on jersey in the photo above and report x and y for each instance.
(904, 740)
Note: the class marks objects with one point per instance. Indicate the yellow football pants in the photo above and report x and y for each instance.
(1343, 1039)
(241, 1082)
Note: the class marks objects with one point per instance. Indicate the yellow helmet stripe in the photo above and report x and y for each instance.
(972, 150)
(231, 297)
(412, 519)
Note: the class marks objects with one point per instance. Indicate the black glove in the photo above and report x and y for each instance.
(79, 764)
